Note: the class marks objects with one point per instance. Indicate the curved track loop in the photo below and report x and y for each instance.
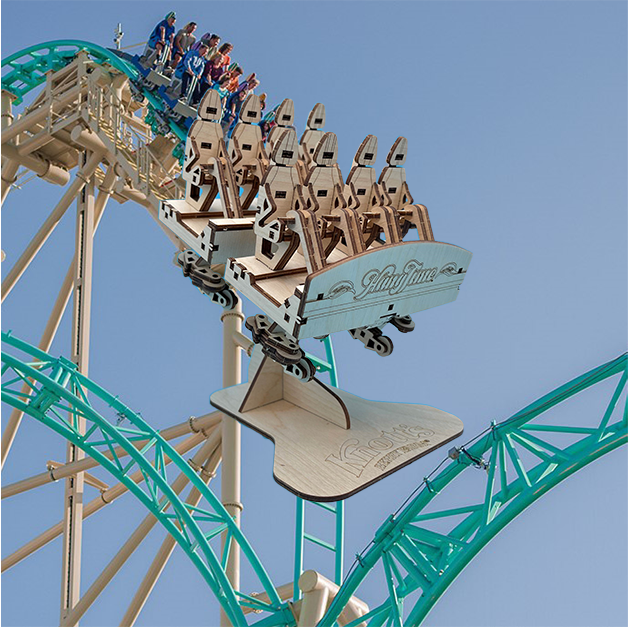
(26, 69)
(58, 395)
(417, 558)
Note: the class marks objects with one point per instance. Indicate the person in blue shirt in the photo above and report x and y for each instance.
(191, 66)
(232, 111)
(163, 33)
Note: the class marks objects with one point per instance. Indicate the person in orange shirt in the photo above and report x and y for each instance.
(234, 83)
(225, 51)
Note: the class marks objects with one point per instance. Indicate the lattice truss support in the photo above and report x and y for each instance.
(422, 549)
(123, 443)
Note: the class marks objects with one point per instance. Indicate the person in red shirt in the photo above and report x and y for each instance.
(211, 73)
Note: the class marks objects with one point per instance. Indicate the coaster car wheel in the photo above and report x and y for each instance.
(200, 272)
(226, 298)
(403, 324)
(373, 340)
(304, 369)
(276, 345)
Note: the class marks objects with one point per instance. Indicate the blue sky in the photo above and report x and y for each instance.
(515, 114)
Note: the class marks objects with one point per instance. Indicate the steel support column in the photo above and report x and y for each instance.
(9, 167)
(57, 312)
(73, 502)
(200, 458)
(231, 452)
(82, 176)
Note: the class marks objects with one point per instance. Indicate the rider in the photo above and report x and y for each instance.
(191, 67)
(221, 86)
(232, 111)
(212, 42)
(234, 83)
(211, 72)
(163, 33)
(225, 51)
(183, 42)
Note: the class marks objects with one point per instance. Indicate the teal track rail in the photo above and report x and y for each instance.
(416, 559)
(58, 395)
(25, 70)
(337, 509)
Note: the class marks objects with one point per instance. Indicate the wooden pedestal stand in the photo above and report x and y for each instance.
(330, 444)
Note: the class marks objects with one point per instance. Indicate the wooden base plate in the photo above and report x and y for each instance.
(211, 236)
(321, 461)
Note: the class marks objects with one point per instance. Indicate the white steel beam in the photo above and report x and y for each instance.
(41, 166)
(201, 426)
(57, 313)
(39, 114)
(81, 320)
(92, 507)
(231, 446)
(82, 176)
(142, 530)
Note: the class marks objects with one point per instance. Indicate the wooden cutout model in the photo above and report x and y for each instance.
(347, 445)
(214, 228)
(284, 118)
(276, 243)
(205, 143)
(319, 256)
(323, 187)
(310, 138)
(393, 183)
(246, 150)
(364, 290)
(361, 192)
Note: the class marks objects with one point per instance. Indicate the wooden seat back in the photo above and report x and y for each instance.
(392, 180)
(324, 182)
(360, 184)
(394, 189)
(284, 118)
(311, 137)
(281, 180)
(205, 138)
(275, 242)
(245, 144)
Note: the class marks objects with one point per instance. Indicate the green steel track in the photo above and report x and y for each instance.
(58, 395)
(414, 557)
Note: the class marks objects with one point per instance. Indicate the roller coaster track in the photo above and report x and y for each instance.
(413, 556)
(86, 105)
(27, 68)
(417, 558)
(56, 390)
